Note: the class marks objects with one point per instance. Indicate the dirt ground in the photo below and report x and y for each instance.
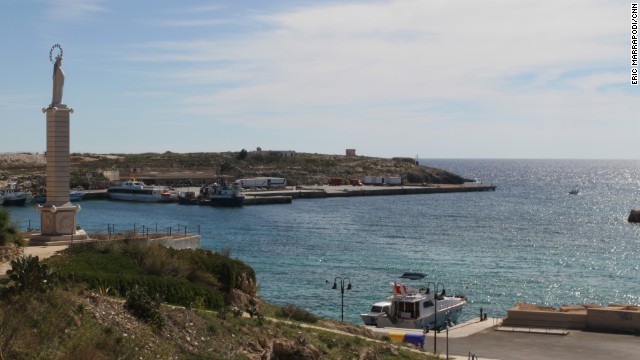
(40, 251)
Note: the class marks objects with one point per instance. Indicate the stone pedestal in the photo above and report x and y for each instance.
(58, 226)
(58, 215)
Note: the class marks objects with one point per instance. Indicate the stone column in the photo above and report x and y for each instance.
(58, 157)
(58, 215)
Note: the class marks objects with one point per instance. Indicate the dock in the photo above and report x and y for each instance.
(456, 331)
(328, 191)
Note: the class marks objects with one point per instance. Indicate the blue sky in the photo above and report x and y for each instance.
(438, 79)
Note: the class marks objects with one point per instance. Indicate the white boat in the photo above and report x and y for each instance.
(415, 308)
(76, 195)
(134, 190)
(222, 195)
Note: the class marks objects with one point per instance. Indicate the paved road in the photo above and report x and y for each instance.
(481, 338)
(576, 345)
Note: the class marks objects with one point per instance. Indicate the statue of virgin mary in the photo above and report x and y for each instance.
(58, 81)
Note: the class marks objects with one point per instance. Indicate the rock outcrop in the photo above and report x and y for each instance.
(634, 216)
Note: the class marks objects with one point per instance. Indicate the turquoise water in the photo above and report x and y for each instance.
(527, 241)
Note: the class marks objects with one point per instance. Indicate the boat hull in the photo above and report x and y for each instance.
(14, 201)
(437, 321)
(138, 197)
(235, 201)
(188, 201)
(76, 196)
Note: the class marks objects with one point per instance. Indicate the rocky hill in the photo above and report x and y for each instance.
(301, 169)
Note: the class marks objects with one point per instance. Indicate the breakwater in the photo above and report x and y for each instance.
(326, 191)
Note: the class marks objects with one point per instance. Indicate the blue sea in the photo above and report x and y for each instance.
(528, 241)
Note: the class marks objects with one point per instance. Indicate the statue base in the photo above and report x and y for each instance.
(58, 226)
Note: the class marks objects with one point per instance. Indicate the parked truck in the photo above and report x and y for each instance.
(335, 181)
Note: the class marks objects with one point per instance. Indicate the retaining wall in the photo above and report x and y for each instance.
(612, 318)
(178, 243)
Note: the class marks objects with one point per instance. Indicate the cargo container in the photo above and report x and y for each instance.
(262, 182)
(379, 180)
(369, 180)
(393, 181)
(335, 181)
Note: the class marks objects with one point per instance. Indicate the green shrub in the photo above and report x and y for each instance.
(8, 232)
(140, 305)
(29, 274)
(181, 277)
(296, 313)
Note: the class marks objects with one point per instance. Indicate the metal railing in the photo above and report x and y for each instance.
(113, 230)
(118, 230)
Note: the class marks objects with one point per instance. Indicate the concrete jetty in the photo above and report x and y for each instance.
(327, 191)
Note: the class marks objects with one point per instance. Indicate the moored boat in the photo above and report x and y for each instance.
(13, 196)
(222, 195)
(76, 195)
(134, 190)
(188, 198)
(415, 308)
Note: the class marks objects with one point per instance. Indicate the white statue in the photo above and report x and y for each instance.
(58, 77)
(58, 81)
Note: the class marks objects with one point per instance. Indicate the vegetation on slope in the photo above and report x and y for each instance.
(9, 234)
(71, 311)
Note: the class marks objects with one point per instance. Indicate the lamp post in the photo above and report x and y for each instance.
(435, 316)
(446, 323)
(335, 286)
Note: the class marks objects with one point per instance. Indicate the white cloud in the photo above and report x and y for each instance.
(74, 10)
(193, 22)
(418, 63)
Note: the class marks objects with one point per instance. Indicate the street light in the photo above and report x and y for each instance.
(446, 323)
(335, 286)
(435, 306)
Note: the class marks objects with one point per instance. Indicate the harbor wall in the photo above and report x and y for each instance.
(614, 319)
(300, 192)
(545, 319)
(611, 318)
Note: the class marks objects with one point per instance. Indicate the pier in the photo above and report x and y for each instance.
(327, 191)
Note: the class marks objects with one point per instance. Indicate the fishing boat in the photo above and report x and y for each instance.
(415, 308)
(13, 196)
(134, 190)
(220, 194)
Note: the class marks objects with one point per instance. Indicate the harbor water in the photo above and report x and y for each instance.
(530, 240)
